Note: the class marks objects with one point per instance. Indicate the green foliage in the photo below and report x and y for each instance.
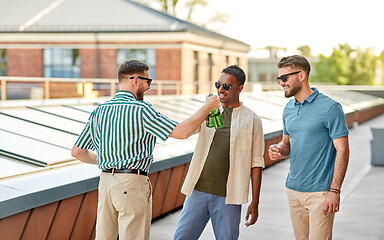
(305, 51)
(3, 62)
(185, 9)
(172, 6)
(347, 66)
(381, 64)
(191, 6)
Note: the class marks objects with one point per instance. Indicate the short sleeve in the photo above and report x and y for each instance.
(84, 141)
(285, 131)
(336, 122)
(156, 123)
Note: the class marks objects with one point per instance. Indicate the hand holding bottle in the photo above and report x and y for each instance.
(212, 102)
(214, 117)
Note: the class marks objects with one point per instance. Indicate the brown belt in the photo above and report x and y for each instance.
(134, 171)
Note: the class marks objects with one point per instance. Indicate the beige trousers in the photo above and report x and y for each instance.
(308, 219)
(124, 207)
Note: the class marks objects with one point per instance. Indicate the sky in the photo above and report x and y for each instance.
(322, 25)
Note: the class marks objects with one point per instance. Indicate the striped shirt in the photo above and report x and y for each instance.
(123, 131)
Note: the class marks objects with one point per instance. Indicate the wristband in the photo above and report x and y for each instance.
(334, 190)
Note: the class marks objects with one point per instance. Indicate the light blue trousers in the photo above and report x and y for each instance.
(199, 208)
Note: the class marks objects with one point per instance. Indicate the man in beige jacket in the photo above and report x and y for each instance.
(224, 162)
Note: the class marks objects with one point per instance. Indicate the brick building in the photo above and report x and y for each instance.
(90, 38)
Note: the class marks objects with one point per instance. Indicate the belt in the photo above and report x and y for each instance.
(134, 171)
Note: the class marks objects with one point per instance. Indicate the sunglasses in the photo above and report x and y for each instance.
(149, 80)
(284, 78)
(226, 86)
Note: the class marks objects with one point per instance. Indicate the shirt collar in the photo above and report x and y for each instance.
(234, 109)
(124, 94)
(311, 97)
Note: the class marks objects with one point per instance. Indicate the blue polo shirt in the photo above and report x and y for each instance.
(311, 126)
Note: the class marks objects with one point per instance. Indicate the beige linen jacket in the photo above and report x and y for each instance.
(246, 151)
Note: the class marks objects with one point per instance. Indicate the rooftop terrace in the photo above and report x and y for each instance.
(38, 173)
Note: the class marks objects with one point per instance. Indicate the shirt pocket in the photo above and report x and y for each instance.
(244, 139)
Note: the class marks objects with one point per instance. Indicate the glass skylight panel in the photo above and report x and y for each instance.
(87, 108)
(66, 112)
(11, 167)
(46, 119)
(33, 151)
(38, 132)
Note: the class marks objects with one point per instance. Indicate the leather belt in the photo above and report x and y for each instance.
(134, 171)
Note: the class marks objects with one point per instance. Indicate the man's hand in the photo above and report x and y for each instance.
(331, 203)
(212, 102)
(274, 152)
(186, 128)
(253, 210)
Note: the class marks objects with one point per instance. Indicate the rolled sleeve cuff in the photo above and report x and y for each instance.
(258, 162)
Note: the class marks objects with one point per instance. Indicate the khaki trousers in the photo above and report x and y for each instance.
(308, 219)
(124, 207)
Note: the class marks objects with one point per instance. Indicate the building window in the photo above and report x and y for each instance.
(60, 62)
(3, 62)
(238, 61)
(226, 61)
(210, 65)
(262, 77)
(148, 56)
(196, 70)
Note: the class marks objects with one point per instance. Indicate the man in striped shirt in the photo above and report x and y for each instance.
(123, 132)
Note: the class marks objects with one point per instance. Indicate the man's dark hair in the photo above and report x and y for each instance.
(131, 67)
(295, 61)
(236, 71)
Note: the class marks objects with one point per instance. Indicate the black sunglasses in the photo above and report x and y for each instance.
(284, 78)
(149, 80)
(226, 86)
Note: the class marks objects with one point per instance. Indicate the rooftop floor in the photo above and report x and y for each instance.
(361, 213)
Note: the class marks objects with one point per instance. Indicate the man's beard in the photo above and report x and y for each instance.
(140, 96)
(293, 91)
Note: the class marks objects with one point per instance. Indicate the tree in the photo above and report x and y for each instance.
(273, 50)
(171, 6)
(192, 4)
(363, 68)
(184, 9)
(304, 51)
(381, 65)
(346, 66)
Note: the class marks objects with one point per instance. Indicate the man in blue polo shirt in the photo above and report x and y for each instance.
(315, 137)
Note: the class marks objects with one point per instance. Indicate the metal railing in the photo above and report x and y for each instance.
(45, 83)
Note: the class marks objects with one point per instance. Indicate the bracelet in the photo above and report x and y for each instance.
(334, 190)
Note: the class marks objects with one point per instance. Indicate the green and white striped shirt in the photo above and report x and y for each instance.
(123, 131)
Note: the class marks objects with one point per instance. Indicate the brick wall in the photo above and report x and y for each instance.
(87, 63)
(25, 62)
(106, 59)
(168, 64)
(108, 65)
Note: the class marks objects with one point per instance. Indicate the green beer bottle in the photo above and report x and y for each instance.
(218, 119)
(211, 121)
(214, 118)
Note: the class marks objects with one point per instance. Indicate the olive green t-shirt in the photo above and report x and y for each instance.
(213, 178)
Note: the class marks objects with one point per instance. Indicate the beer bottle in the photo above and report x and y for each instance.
(214, 118)
(211, 121)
